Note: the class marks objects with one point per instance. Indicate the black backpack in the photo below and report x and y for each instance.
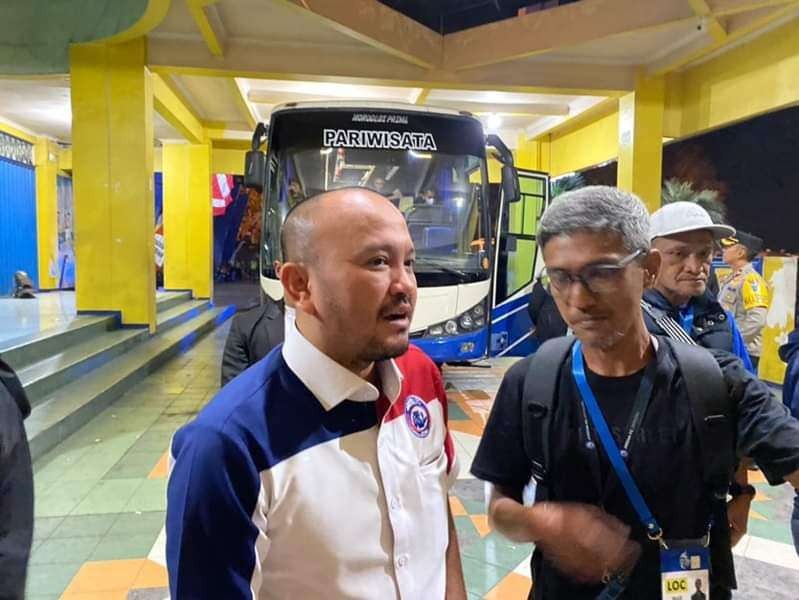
(711, 409)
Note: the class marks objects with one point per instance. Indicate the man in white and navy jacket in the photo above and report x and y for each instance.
(322, 471)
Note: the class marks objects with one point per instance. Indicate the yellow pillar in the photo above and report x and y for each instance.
(112, 159)
(46, 161)
(188, 219)
(533, 154)
(640, 141)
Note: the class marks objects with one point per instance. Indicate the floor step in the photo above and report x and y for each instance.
(71, 406)
(167, 300)
(57, 370)
(172, 317)
(30, 349)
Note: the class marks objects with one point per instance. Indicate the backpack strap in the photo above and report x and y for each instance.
(711, 410)
(538, 397)
(667, 324)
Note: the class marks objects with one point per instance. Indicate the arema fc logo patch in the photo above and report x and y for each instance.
(417, 416)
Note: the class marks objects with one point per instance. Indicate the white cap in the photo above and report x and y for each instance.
(680, 217)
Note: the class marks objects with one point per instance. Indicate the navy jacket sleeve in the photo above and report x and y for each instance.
(212, 495)
(16, 499)
(766, 432)
(500, 457)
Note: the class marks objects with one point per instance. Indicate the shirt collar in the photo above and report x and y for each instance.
(330, 382)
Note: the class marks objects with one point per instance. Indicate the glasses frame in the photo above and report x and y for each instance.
(573, 278)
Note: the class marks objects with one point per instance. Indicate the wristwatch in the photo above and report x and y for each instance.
(736, 489)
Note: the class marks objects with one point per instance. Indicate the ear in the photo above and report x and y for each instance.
(651, 264)
(296, 286)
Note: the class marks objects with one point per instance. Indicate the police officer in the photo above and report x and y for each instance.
(614, 440)
(744, 292)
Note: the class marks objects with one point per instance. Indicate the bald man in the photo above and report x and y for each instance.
(322, 471)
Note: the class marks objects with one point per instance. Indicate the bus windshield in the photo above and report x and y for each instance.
(440, 193)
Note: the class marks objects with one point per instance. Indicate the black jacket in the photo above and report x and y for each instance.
(712, 328)
(545, 315)
(252, 335)
(16, 487)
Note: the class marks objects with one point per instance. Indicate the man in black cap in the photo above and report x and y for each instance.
(744, 292)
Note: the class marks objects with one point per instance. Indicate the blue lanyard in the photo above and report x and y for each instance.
(687, 319)
(609, 444)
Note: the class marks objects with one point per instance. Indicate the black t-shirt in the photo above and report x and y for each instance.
(664, 461)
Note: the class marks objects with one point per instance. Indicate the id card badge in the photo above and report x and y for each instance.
(685, 573)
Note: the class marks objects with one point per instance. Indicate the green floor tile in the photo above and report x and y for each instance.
(84, 526)
(474, 507)
(132, 523)
(43, 527)
(64, 551)
(456, 413)
(62, 499)
(50, 579)
(498, 551)
(42, 596)
(124, 547)
(480, 576)
(108, 496)
(151, 496)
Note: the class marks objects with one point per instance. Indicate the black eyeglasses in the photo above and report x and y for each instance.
(598, 279)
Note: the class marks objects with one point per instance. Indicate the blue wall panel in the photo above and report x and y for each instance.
(17, 223)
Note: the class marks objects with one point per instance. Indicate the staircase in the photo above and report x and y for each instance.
(73, 372)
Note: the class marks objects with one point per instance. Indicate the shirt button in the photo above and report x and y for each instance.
(395, 504)
(402, 561)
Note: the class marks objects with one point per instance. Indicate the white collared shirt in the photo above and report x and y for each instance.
(301, 481)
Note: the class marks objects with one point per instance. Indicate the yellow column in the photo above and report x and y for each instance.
(188, 218)
(46, 161)
(112, 159)
(640, 141)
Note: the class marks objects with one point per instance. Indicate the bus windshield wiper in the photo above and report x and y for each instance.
(426, 262)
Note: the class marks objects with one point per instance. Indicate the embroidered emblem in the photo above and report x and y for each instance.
(417, 416)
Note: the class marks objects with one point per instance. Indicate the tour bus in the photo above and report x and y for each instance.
(472, 216)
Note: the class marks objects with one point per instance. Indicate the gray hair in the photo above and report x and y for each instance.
(597, 209)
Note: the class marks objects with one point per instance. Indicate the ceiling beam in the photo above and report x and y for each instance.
(245, 110)
(172, 108)
(378, 26)
(566, 25)
(355, 65)
(722, 8)
(708, 21)
(737, 27)
(419, 96)
(211, 32)
(527, 109)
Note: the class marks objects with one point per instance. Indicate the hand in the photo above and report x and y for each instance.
(585, 542)
(738, 517)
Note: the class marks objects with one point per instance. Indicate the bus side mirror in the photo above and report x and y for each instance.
(510, 184)
(255, 169)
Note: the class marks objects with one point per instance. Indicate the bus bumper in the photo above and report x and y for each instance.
(456, 348)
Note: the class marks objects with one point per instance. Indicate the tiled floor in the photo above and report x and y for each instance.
(100, 497)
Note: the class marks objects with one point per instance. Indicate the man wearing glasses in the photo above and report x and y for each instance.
(622, 483)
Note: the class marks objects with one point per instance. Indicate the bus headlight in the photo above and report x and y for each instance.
(472, 319)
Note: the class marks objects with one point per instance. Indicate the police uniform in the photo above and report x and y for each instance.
(664, 459)
(746, 295)
(302, 480)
